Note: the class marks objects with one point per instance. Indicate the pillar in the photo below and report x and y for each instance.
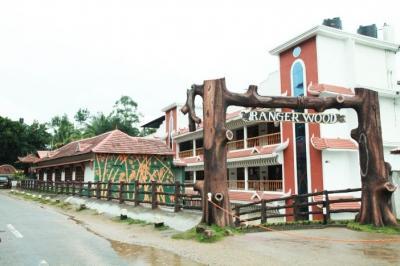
(245, 136)
(73, 174)
(246, 178)
(194, 147)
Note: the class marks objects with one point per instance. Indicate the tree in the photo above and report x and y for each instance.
(377, 190)
(64, 131)
(18, 138)
(82, 116)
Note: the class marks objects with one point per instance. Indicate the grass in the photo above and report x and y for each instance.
(130, 221)
(391, 230)
(218, 233)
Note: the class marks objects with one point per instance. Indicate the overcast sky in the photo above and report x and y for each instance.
(57, 56)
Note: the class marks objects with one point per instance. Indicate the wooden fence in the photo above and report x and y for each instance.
(295, 206)
(151, 193)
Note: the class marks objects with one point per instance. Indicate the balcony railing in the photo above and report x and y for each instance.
(188, 153)
(260, 185)
(262, 140)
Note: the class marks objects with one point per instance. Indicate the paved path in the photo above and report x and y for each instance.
(34, 235)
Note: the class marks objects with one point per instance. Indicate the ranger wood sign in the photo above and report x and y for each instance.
(294, 117)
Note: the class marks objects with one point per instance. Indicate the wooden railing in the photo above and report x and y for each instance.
(263, 140)
(184, 154)
(199, 151)
(235, 145)
(261, 185)
(137, 192)
(295, 206)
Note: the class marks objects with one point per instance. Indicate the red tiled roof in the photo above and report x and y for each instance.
(316, 89)
(327, 143)
(30, 158)
(340, 205)
(395, 151)
(114, 141)
(250, 196)
(258, 150)
(7, 169)
(42, 154)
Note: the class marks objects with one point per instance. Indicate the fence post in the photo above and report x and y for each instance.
(153, 195)
(73, 188)
(47, 187)
(89, 188)
(137, 200)
(121, 192)
(295, 208)
(237, 216)
(35, 185)
(177, 207)
(67, 189)
(98, 196)
(109, 192)
(263, 212)
(80, 188)
(326, 210)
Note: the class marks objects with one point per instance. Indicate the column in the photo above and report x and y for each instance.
(246, 178)
(245, 136)
(194, 176)
(53, 176)
(177, 151)
(63, 174)
(194, 147)
(73, 174)
(44, 175)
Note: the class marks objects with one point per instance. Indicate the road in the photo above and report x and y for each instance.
(37, 235)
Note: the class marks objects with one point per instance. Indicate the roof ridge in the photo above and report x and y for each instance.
(105, 139)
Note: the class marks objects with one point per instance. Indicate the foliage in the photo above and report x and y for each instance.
(391, 230)
(64, 131)
(20, 176)
(19, 139)
(130, 221)
(218, 233)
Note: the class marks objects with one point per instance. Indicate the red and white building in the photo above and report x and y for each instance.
(269, 160)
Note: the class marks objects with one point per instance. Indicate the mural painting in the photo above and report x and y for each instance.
(129, 168)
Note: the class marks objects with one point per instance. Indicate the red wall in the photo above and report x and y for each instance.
(309, 57)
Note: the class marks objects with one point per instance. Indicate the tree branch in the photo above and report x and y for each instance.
(251, 98)
(190, 108)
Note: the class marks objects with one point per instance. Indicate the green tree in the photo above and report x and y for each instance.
(82, 116)
(19, 139)
(64, 131)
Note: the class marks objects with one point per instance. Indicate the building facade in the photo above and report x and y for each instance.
(270, 160)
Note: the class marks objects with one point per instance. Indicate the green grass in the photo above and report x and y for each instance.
(130, 221)
(391, 230)
(218, 234)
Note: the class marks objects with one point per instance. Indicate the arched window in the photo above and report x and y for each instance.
(298, 89)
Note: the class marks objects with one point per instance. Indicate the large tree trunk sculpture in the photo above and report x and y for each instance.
(375, 206)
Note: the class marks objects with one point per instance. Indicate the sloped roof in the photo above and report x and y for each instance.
(319, 88)
(7, 169)
(336, 144)
(30, 158)
(114, 141)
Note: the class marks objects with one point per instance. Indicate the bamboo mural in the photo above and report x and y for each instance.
(129, 168)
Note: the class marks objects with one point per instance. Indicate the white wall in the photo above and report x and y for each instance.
(341, 169)
(89, 173)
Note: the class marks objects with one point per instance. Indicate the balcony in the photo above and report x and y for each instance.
(259, 185)
(268, 139)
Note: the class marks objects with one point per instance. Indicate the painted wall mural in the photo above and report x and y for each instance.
(129, 168)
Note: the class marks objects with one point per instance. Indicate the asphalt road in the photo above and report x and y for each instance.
(34, 235)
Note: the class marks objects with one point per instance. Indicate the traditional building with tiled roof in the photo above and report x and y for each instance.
(113, 156)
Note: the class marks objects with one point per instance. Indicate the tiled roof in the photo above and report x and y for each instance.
(395, 151)
(250, 196)
(340, 205)
(7, 169)
(318, 88)
(30, 158)
(337, 144)
(114, 141)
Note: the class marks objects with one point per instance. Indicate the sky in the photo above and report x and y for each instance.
(59, 56)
